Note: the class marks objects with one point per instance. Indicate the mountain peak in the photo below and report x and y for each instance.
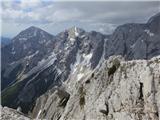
(75, 31)
(156, 16)
(32, 28)
(154, 23)
(74, 28)
(32, 31)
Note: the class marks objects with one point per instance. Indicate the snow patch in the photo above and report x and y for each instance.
(85, 43)
(48, 42)
(79, 76)
(132, 46)
(35, 33)
(81, 67)
(81, 61)
(13, 51)
(29, 57)
(50, 60)
(83, 36)
(87, 57)
(72, 39)
(66, 47)
(12, 63)
(43, 64)
(42, 41)
(39, 114)
(74, 66)
(149, 33)
(58, 71)
(22, 39)
(76, 32)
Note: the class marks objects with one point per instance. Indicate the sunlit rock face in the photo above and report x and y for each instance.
(12, 114)
(118, 89)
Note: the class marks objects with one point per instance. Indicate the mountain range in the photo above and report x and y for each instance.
(46, 75)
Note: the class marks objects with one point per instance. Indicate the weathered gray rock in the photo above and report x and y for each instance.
(130, 91)
(51, 105)
(135, 41)
(11, 114)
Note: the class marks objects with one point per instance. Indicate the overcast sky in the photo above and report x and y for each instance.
(55, 17)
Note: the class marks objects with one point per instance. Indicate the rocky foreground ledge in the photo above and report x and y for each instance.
(12, 114)
(116, 90)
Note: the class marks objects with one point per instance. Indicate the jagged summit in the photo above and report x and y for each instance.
(74, 31)
(75, 28)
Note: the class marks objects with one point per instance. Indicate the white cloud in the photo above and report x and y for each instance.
(33, 11)
(56, 16)
(64, 15)
(18, 16)
(27, 11)
(30, 3)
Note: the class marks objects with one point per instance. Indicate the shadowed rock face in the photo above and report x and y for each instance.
(154, 24)
(35, 62)
(136, 41)
(41, 61)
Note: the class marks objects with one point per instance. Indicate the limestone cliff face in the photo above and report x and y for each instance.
(115, 90)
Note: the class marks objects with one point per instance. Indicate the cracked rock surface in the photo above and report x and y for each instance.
(130, 92)
(12, 114)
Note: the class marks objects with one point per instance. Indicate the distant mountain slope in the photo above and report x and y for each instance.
(30, 66)
(24, 52)
(136, 41)
(5, 41)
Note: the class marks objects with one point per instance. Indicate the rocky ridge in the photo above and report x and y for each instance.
(12, 114)
(117, 90)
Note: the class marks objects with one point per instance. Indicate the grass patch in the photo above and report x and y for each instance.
(9, 94)
(82, 96)
(115, 66)
(105, 112)
(123, 69)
